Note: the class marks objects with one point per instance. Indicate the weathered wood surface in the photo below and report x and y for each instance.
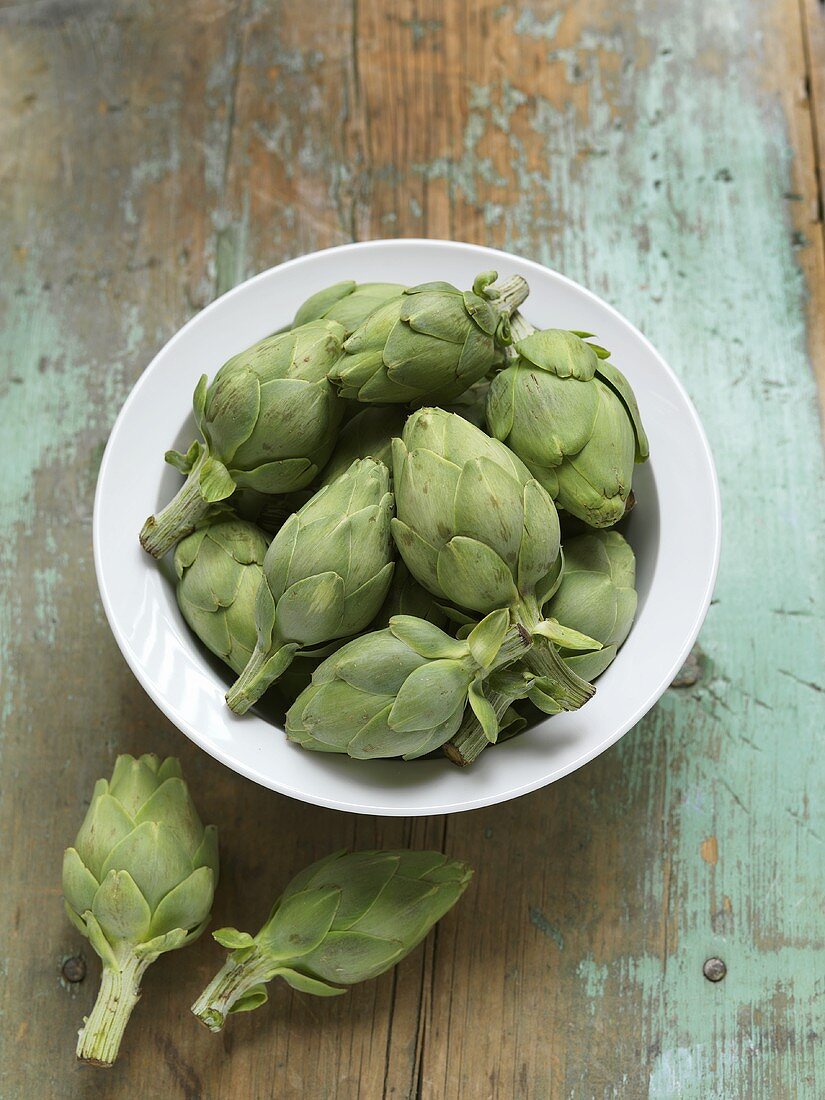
(666, 155)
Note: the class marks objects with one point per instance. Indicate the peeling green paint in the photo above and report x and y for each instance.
(594, 978)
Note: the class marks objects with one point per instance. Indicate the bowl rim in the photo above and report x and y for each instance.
(267, 780)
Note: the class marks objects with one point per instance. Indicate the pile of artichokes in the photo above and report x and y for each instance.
(373, 517)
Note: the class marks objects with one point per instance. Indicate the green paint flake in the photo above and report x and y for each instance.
(594, 977)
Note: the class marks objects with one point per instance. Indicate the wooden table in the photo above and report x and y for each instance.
(667, 155)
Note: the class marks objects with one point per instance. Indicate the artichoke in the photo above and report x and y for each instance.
(219, 569)
(368, 435)
(138, 882)
(269, 422)
(596, 597)
(402, 691)
(407, 597)
(572, 418)
(349, 303)
(475, 529)
(430, 343)
(345, 919)
(325, 575)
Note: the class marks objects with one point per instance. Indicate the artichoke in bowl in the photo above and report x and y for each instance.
(597, 596)
(348, 303)
(403, 691)
(219, 569)
(269, 422)
(477, 530)
(595, 599)
(430, 343)
(572, 418)
(325, 575)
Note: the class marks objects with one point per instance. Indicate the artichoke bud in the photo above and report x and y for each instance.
(348, 303)
(219, 569)
(597, 597)
(403, 691)
(269, 421)
(429, 343)
(325, 575)
(476, 529)
(138, 882)
(345, 919)
(368, 435)
(572, 418)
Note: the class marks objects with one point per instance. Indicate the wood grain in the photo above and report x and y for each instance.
(666, 156)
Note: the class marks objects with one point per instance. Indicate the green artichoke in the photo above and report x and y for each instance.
(430, 343)
(269, 422)
(219, 569)
(345, 919)
(138, 882)
(597, 596)
(325, 575)
(407, 597)
(368, 435)
(402, 691)
(571, 417)
(349, 303)
(475, 529)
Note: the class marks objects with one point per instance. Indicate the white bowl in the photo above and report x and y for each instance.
(674, 530)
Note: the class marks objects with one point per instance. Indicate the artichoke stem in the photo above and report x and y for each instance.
(516, 643)
(470, 740)
(241, 972)
(180, 516)
(571, 691)
(98, 1041)
(262, 670)
(520, 327)
(512, 292)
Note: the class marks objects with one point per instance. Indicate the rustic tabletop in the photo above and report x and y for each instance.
(667, 156)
